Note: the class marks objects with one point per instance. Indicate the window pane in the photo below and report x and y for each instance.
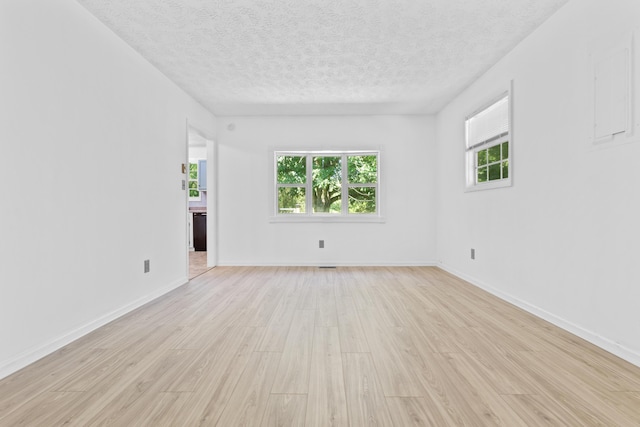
(194, 193)
(494, 154)
(327, 188)
(482, 157)
(505, 169)
(193, 185)
(362, 169)
(362, 200)
(193, 171)
(505, 150)
(494, 172)
(292, 169)
(291, 200)
(482, 174)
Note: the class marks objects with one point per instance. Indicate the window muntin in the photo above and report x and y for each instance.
(317, 183)
(488, 146)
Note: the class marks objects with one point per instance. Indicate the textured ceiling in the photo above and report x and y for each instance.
(322, 56)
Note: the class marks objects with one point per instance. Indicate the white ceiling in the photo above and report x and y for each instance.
(264, 57)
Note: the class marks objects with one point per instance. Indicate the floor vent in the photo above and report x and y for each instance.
(327, 266)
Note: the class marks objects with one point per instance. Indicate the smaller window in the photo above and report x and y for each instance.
(194, 191)
(488, 140)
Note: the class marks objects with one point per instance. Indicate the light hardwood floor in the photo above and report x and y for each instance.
(325, 347)
(197, 263)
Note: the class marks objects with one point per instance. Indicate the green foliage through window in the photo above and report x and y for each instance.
(362, 200)
(319, 182)
(292, 169)
(194, 192)
(493, 163)
(291, 200)
(327, 188)
(362, 169)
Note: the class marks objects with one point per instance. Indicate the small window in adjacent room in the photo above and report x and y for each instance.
(326, 184)
(488, 146)
(194, 191)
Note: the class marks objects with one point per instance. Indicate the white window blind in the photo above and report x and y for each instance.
(489, 123)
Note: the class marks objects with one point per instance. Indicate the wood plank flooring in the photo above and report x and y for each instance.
(197, 263)
(258, 346)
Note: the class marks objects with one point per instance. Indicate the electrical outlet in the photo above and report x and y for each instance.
(321, 244)
(473, 253)
(147, 266)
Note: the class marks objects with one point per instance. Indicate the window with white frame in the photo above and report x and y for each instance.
(326, 183)
(194, 191)
(488, 146)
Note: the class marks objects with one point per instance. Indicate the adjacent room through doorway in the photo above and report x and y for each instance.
(197, 204)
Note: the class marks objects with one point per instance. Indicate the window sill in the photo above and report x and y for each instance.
(293, 218)
(488, 185)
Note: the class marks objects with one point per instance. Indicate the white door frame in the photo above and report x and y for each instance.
(212, 197)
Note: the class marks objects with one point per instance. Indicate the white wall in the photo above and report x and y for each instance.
(198, 153)
(408, 166)
(563, 241)
(92, 138)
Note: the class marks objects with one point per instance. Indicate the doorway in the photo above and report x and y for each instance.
(200, 204)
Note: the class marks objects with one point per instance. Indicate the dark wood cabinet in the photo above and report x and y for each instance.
(200, 231)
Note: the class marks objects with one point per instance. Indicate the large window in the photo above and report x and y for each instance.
(488, 140)
(326, 183)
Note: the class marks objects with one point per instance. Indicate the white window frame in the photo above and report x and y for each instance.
(309, 215)
(471, 150)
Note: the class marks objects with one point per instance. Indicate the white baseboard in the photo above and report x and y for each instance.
(630, 355)
(327, 264)
(28, 357)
